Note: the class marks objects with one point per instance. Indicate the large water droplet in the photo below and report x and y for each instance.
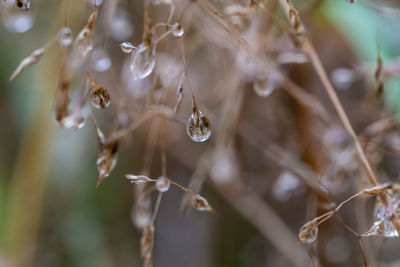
(163, 184)
(308, 233)
(65, 38)
(143, 61)
(99, 97)
(16, 21)
(383, 224)
(198, 127)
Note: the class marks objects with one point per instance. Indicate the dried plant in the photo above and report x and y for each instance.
(253, 44)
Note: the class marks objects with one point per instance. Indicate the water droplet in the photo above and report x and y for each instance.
(163, 184)
(343, 78)
(76, 115)
(99, 97)
(200, 203)
(338, 145)
(265, 86)
(224, 166)
(120, 25)
(127, 47)
(96, 2)
(138, 179)
(65, 38)
(141, 215)
(198, 126)
(382, 215)
(99, 60)
(143, 61)
(284, 186)
(17, 21)
(177, 30)
(308, 233)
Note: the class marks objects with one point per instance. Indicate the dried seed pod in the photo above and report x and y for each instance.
(143, 61)
(99, 97)
(198, 126)
(83, 43)
(29, 61)
(106, 155)
(163, 184)
(200, 203)
(61, 104)
(138, 179)
(308, 232)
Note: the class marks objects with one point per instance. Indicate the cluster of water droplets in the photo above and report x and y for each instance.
(383, 225)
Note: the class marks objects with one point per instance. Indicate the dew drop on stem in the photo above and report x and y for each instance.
(200, 203)
(99, 97)
(65, 37)
(177, 30)
(266, 86)
(198, 126)
(163, 184)
(127, 47)
(308, 233)
(143, 61)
